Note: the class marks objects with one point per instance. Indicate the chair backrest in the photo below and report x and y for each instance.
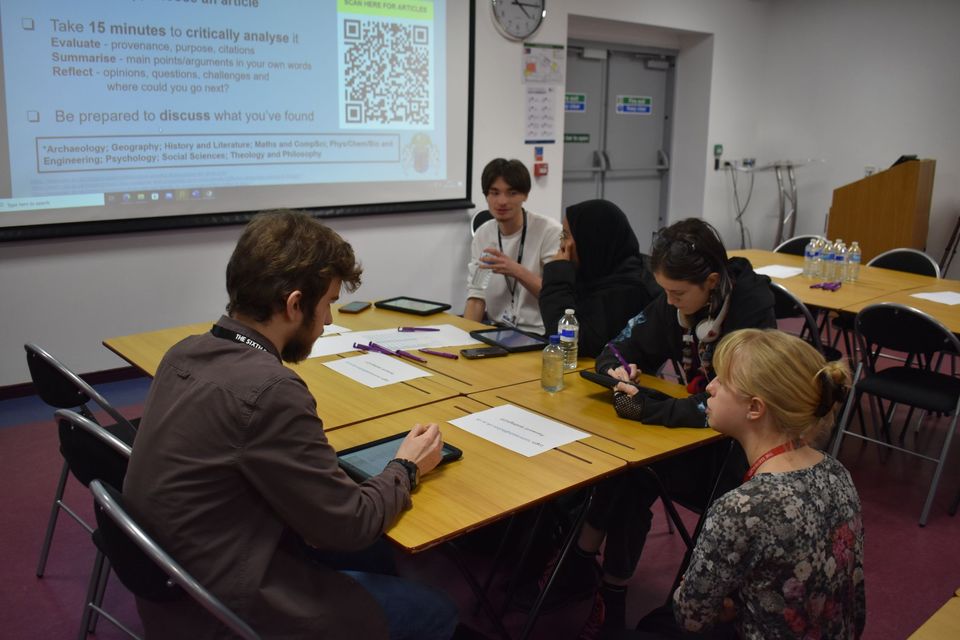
(146, 569)
(787, 305)
(90, 450)
(897, 327)
(61, 388)
(478, 219)
(908, 260)
(795, 246)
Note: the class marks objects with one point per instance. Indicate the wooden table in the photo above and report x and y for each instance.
(872, 283)
(340, 400)
(145, 350)
(949, 315)
(589, 407)
(942, 625)
(490, 482)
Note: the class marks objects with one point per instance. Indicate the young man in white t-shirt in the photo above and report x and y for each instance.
(514, 246)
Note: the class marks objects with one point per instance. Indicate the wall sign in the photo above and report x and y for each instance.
(634, 105)
(576, 102)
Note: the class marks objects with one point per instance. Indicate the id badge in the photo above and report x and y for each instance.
(508, 318)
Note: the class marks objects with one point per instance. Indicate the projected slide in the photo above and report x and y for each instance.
(121, 109)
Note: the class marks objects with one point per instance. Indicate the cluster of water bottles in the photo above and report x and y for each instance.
(561, 354)
(832, 261)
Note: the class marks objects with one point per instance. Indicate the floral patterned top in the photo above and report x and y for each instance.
(788, 549)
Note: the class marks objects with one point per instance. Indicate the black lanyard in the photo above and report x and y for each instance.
(523, 240)
(235, 336)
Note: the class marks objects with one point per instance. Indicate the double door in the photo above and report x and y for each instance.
(616, 131)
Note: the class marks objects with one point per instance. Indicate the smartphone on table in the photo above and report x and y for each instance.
(483, 352)
(354, 307)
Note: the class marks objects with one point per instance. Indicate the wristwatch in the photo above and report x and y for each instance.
(413, 471)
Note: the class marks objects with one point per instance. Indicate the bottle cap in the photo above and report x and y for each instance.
(554, 339)
(569, 312)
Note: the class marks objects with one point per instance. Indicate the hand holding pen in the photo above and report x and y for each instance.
(626, 371)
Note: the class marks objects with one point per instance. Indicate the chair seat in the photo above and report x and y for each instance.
(925, 389)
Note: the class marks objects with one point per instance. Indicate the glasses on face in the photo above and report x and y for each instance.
(564, 235)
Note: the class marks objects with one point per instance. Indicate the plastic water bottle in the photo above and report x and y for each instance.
(854, 257)
(826, 259)
(479, 278)
(840, 259)
(569, 330)
(811, 255)
(551, 375)
(818, 258)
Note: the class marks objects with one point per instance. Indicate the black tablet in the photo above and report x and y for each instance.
(406, 304)
(367, 460)
(602, 379)
(513, 340)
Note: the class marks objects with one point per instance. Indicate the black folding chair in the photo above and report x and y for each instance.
(61, 388)
(901, 259)
(143, 567)
(795, 246)
(916, 383)
(786, 305)
(478, 219)
(91, 452)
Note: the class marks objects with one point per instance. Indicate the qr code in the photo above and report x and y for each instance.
(386, 74)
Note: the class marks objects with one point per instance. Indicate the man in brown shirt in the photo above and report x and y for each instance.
(234, 476)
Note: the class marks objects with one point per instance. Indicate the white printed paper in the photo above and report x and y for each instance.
(376, 369)
(447, 336)
(943, 297)
(778, 271)
(332, 345)
(330, 329)
(519, 430)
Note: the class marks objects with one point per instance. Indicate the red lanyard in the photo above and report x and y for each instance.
(773, 453)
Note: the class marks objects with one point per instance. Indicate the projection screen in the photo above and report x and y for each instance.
(140, 114)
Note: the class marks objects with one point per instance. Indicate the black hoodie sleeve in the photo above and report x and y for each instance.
(652, 341)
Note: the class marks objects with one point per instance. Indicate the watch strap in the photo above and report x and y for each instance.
(413, 471)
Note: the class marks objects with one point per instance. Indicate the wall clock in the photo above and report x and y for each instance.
(518, 19)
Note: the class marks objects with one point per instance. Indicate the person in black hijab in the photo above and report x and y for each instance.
(599, 272)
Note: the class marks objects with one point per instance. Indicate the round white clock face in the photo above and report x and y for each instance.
(518, 19)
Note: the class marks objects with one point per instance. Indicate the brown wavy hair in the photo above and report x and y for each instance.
(281, 252)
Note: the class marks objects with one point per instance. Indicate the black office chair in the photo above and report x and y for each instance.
(901, 259)
(61, 388)
(143, 567)
(796, 245)
(478, 219)
(889, 326)
(92, 453)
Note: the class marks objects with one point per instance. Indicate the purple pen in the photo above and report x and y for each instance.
(362, 347)
(376, 347)
(411, 329)
(410, 356)
(621, 359)
(442, 354)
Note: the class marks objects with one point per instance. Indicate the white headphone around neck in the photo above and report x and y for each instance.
(708, 329)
